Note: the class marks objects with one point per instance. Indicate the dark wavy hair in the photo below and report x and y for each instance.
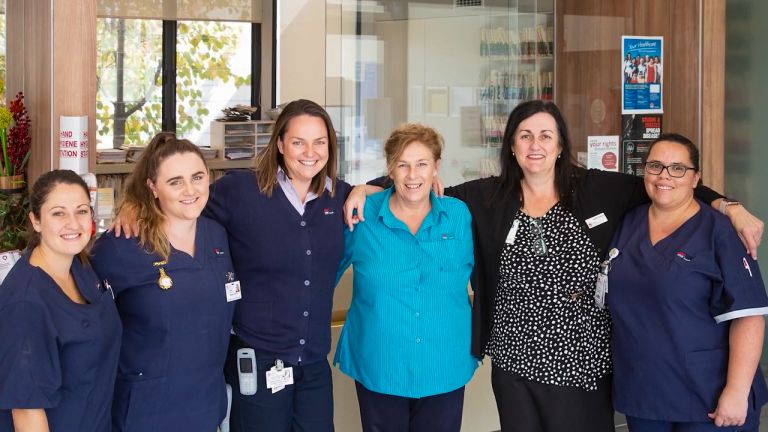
(511, 173)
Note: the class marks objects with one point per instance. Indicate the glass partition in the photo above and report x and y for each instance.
(746, 67)
(458, 69)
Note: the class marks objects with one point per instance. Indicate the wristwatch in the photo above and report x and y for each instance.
(725, 202)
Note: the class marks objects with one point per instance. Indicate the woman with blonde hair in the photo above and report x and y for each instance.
(175, 290)
(406, 339)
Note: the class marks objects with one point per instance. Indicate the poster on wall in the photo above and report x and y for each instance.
(642, 73)
(603, 152)
(637, 133)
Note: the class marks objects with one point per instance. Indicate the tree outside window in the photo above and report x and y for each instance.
(209, 55)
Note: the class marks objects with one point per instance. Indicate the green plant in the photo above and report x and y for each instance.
(14, 209)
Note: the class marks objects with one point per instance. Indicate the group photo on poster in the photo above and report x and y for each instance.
(642, 74)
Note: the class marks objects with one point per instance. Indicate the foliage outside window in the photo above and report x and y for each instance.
(213, 70)
(128, 81)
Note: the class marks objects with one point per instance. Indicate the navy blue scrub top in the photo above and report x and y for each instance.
(57, 354)
(175, 341)
(671, 305)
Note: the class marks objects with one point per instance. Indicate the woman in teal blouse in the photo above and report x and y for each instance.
(406, 340)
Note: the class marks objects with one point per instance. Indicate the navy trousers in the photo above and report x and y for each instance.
(387, 413)
(305, 406)
(635, 424)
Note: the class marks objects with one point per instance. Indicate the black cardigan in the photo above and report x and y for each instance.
(596, 192)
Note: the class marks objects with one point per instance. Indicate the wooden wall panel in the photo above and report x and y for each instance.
(713, 94)
(37, 83)
(681, 69)
(588, 57)
(53, 61)
(74, 63)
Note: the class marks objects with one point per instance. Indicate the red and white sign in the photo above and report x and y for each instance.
(73, 143)
(603, 152)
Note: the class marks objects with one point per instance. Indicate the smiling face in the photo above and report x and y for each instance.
(65, 220)
(413, 172)
(665, 191)
(181, 187)
(304, 147)
(537, 145)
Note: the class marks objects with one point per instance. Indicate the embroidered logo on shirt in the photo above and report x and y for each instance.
(746, 266)
(447, 237)
(684, 256)
(327, 211)
(218, 251)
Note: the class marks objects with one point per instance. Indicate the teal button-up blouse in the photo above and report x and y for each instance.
(408, 329)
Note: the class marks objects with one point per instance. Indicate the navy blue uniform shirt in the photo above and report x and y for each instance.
(174, 340)
(671, 304)
(57, 354)
(286, 263)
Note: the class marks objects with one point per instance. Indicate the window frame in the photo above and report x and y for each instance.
(168, 91)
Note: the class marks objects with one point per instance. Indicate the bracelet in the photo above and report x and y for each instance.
(725, 203)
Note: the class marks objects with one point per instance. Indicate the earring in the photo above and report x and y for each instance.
(513, 153)
(558, 155)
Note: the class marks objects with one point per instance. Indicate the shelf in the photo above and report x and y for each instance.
(518, 64)
(214, 164)
(240, 137)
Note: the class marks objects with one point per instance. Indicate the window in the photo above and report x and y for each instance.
(212, 70)
(128, 81)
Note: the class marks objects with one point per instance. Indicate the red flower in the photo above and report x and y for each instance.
(19, 140)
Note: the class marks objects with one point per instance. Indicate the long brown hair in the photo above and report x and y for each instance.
(271, 158)
(138, 196)
(39, 195)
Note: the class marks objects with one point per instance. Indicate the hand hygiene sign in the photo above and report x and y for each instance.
(73, 143)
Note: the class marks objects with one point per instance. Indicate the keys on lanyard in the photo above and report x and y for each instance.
(601, 290)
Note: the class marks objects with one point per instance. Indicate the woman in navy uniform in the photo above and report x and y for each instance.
(176, 292)
(284, 221)
(687, 304)
(59, 327)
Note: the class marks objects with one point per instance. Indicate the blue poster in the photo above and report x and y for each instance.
(642, 73)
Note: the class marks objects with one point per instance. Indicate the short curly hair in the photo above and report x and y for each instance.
(408, 133)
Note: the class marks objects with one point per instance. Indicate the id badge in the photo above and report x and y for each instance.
(277, 379)
(233, 291)
(601, 290)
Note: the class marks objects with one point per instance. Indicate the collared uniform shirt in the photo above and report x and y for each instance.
(671, 304)
(171, 374)
(286, 262)
(408, 329)
(292, 195)
(56, 354)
